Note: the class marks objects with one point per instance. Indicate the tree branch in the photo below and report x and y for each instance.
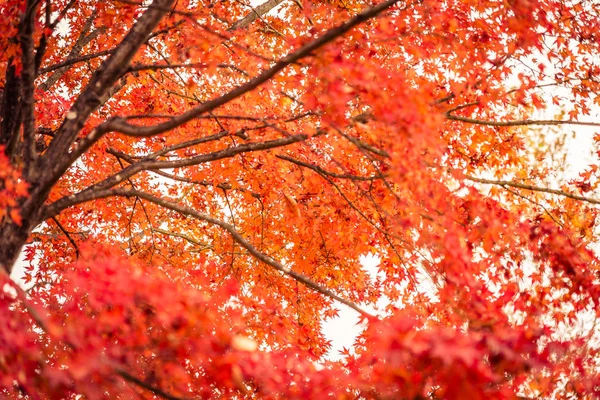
(61, 68)
(203, 246)
(70, 61)
(28, 151)
(322, 171)
(257, 12)
(128, 192)
(221, 185)
(54, 161)
(153, 389)
(548, 213)
(534, 189)
(40, 50)
(121, 125)
(66, 233)
(152, 164)
(74, 59)
(156, 67)
(62, 14)
(364, 146)
(519, 123)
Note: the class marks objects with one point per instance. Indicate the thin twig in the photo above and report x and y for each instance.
(323, 171)
(66, 233)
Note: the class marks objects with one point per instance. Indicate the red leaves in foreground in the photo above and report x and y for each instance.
(446, 363)
(113, 318)
(132, 329)
(232, 166)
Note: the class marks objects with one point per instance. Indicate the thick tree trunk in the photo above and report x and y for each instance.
(12, 240)
(18, 129)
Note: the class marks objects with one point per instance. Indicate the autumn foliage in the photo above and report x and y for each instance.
(188, 190)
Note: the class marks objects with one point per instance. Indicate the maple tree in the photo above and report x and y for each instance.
(190, 186)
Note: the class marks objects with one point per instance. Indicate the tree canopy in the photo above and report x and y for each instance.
(187, 188)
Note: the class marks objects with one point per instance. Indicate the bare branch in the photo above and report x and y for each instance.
(203, 246)
(43, 42)
(68, 235)
(524, 122)
(156, 67)
(548, 213)
(70, 61)
(461, 106)
(74, 59)
(62, 14)
(534, 189)
(171, 10)
(188, 143)
(364, 146)
(221, 185)
(257, 12)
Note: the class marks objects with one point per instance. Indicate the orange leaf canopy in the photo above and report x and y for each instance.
(187, 190)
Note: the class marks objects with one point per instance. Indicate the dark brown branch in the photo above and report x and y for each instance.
(222, 185)
(113, 90)
(322, 171)
(28, 73)
(152, 164)
(153, 389)
(61, 68)
(217, 117)
(156, 67)
(217, 155)
(126, 192)
(548, 213)
(524, 122)
(122, 125)
(10, 112)
(66, 233)
(170, 10)
(62, 14)
(203, 246)
(461, 106)
(43, 43)
(74, 60)
(54, 161)
(364, 146)
(532, 188)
